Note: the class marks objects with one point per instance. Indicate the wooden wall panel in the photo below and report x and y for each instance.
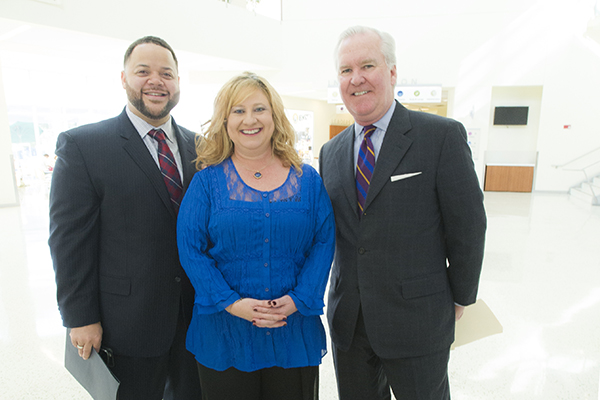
(499, 178)
(335, 129)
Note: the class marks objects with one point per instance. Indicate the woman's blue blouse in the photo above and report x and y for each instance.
(236, 242)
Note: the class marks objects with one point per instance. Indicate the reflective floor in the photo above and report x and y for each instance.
(541, 278)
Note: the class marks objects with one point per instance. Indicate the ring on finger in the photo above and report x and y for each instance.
(80, 347)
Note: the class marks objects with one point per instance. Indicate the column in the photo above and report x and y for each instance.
(8, 187)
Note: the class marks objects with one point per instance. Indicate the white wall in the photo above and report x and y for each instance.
(476, 47)
(324, 115)
(515, 138)
(196, 26)
(468, 45)
(8, 188)
(516, 144)
(569, 99)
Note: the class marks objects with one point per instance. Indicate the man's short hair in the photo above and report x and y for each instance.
(388, 44)
(149, 39)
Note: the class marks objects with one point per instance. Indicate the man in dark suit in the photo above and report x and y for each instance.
(409, 232)
(113, 209)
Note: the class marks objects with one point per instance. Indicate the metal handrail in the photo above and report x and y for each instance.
(587, 179)
(579, 158)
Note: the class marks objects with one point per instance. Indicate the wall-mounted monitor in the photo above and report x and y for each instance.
(511, 115)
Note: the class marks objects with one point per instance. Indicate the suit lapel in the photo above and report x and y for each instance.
(344, 158)
(187, 152)
(394, 147)
(137, 150)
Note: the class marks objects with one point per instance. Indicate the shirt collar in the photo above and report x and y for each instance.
(382, 124)
(144, 127)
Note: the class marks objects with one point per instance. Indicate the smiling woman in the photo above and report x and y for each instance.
(250, 126)
(255, 236)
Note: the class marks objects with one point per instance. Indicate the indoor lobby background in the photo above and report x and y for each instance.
(60, 64)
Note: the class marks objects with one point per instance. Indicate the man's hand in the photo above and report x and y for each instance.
(458, 312)
(86, 337)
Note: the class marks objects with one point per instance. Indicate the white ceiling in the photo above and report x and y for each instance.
(432, 38)
(303, 70)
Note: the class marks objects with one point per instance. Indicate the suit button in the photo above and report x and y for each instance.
(361, 251)
(177, 279)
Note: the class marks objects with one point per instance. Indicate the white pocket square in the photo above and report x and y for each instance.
(404, 176)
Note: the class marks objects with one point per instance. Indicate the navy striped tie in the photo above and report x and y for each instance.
(365, 164)
(168, 168)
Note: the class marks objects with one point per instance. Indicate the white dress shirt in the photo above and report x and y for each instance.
(144, 127)
(376, 137)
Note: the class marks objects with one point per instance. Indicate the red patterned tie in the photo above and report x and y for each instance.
(365, 164)
(168, 168)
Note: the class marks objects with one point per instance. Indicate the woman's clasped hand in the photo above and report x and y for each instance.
(264, 313)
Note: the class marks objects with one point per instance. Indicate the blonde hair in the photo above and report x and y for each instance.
(216, 146)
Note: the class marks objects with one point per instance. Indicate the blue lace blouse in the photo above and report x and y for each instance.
(235, 241)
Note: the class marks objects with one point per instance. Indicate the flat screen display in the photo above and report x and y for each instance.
(511, 115)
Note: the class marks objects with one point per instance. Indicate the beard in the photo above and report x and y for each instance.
(136, 99)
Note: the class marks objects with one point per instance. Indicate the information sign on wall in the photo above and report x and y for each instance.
(333, 95)
(418, 94)
(473, 140)
(303, 123)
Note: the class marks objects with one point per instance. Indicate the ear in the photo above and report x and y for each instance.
(123, 80)
(394, 76)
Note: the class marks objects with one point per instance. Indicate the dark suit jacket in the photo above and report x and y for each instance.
(418, 248)
(112, 237)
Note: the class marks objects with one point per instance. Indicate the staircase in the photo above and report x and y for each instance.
(588, 192)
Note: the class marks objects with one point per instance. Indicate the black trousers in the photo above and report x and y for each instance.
(361, 374)
(265, 384)
(172, 376)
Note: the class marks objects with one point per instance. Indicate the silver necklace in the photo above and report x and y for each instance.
(256, 172)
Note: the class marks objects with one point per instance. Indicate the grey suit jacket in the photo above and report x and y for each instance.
(112, 237)
(418, 248)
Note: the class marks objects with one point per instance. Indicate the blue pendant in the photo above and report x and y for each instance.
(257, 175)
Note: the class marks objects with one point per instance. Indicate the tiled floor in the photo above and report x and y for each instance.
(541, 278)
